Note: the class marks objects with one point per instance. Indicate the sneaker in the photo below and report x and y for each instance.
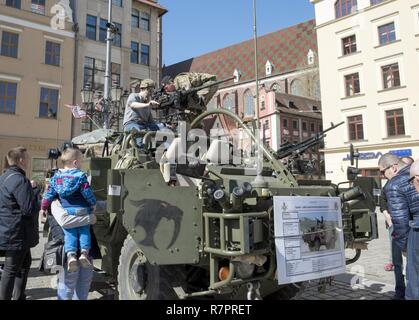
(72, 263)
(84, 260)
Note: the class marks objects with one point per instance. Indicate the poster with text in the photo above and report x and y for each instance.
(308, 238)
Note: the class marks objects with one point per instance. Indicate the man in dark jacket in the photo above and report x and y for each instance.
(398, 192)
(412, 268)
(18, 224)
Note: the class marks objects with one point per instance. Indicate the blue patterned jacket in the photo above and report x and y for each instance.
(72, 189)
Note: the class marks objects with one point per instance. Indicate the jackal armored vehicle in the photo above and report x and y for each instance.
(203, 229)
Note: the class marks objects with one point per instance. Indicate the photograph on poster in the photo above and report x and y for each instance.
(318, 233)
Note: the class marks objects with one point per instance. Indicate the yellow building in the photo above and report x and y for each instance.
(36, 80)
(369, 57)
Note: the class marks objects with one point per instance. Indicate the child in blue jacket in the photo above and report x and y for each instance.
(71, 187)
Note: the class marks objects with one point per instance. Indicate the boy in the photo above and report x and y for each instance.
(73, 190)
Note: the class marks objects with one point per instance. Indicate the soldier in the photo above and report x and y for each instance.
(138, 115)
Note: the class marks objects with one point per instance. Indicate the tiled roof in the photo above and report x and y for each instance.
(303, 106)
(286, 49)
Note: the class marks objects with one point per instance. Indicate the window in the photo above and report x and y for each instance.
(145, 21)
(276, 87)
(266, 125)
(395, 123)
(262, 103)
(312, 127)
(349, 45)
(295, 124)
(48, 105)
(228, 103)
(352, 85)
(52, 53)
(249, 103)
(305, 126)
(13, 3)
(135, 18)
(117, 41)
(296, 88)
(145, 54)
(391, 76)
(7, 97)
(135, 47)
(117, 3)
(345, 7)
(9, 44)
(285, 123)
(91, 22)
(38, 6)
(94, 73)
(387, 33)
(356, 128)
(103, 30)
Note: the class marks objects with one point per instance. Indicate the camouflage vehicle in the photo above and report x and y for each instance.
(210, 234)
(319, 236)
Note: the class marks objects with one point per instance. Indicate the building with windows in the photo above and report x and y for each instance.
(368, 59)
(36, 80)
(136, 50)
(290, 107)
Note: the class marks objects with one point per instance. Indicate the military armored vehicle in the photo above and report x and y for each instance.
(209, 233)
(320, 235)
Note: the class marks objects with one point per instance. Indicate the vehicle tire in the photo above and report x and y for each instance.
(139, 280)
(317, 245)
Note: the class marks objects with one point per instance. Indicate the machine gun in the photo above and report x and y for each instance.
(179, 99)
(295, 150)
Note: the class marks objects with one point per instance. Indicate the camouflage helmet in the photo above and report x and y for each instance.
(147, 83)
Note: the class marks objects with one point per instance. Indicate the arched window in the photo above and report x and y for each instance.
(345, 7)
(276, 87)
(316, 88)
(228, 102)
(249, 103)
(296, 87)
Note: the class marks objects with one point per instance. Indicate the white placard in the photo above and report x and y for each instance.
(308, 238)
(114, 190)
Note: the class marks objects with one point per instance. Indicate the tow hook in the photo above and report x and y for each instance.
(253, 292)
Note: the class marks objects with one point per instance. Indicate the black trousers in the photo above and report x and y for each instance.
(15, 274)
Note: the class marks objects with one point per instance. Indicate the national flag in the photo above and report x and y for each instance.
(77, 112)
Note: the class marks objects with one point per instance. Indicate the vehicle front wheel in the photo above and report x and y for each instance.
(138, 279)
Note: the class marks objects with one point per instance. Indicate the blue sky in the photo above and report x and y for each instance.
(194, 27)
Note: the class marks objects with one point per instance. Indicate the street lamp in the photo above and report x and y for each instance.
(87, 95)
(116, 93)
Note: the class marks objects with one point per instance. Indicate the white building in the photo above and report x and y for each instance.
(369, 62)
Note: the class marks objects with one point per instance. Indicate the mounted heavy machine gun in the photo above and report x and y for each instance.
(188, 102)
(293, 151)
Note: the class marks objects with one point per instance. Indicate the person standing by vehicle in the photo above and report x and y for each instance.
(412, 268)
(18, 224)
(396, 192)
(138, 115)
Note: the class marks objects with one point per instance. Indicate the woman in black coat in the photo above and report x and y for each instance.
(18, 225)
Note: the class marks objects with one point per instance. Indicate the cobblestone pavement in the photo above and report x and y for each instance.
(373, 283)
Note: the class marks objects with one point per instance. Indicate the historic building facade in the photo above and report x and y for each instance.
(369, 57)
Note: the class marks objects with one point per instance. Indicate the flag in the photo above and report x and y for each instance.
(77, 112)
